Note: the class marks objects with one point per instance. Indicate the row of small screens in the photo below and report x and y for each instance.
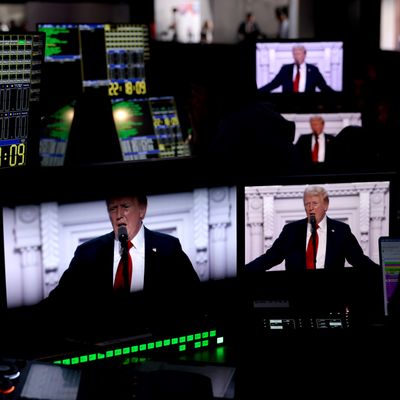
(112, 59)
(146, 128)
(220, 229)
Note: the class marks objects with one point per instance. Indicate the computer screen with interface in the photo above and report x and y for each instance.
(389, 254)
(20, 81)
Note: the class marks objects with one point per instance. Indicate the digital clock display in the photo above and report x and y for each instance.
(128, 88)
(12, 154)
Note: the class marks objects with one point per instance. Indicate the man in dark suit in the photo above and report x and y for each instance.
(315, 147)
(163, 282)
(298, 77)
(335, 244)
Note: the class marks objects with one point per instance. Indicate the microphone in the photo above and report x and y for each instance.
(313, 223)
(122, 234)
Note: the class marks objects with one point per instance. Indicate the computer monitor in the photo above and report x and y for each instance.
(20, 84)
(389, 257)
(112, 57)
(149, 128)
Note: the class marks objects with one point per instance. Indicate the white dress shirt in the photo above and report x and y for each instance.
(321, 250)
(137, 254)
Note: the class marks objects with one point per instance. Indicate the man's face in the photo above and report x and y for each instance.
(315, 205)
(126, 211)
(317, 125)
(299, 55)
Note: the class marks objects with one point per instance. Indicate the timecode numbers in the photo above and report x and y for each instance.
(128, 88)
(12, 155)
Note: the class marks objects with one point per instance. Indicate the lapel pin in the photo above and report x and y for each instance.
(154, 249)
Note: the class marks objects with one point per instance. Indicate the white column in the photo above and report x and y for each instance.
(219, 220)
(201, 211)
(50, 237)
(27, 243)
(254, 222)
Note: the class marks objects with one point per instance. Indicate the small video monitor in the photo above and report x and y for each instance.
(276, 61)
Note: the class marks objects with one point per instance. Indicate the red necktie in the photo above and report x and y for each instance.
(296, 79)
(311, 255)
(314, 153)
(123, 276)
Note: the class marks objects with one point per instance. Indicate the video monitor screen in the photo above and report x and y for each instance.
(321, 66)
(149, 128)
(281, 285)
(112, 57)
(358, 203)
(333, 122)
(39, 239)
(20, 84)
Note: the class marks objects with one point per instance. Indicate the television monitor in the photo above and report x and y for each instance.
(39, 239)
(327, 56)
(20, 84)
(334, 122)
(363, 201)
(149, 128)
(112, 56)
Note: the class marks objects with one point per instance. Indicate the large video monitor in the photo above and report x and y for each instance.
(20, 84)
(275, 63)
(112, 57)
(39, 238)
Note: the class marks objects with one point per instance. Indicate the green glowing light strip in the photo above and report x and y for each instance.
(197, 341)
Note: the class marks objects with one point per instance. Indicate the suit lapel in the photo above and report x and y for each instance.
(330, 241)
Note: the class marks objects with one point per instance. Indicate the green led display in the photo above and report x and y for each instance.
(199, 340)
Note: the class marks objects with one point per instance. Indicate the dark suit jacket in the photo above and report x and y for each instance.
(86, 286)
(284, 78)
(303, 145)
(290, 247)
